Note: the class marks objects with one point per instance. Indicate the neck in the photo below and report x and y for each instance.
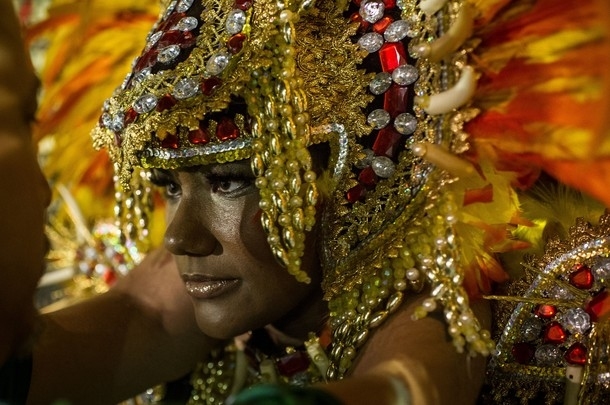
(309, 316)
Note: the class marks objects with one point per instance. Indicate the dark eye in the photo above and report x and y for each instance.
(164, 180)
(230, 185)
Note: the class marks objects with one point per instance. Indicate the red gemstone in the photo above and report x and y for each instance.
(389, 4)
(293, 363)
(598, 307)
(109, 277)
(582, 277)
(368, 177)
(395, 100)
(523, 352)
(172, 20)
(243, 4)
(130, 116)
(170, 142)
(363, 25)
(381, 25)
(356, 193)
(554, 333)
(185, 39)
(208, 86)
(545, 311)
(199, 136)
(392, 55)
(166, 102)
(387, 142)
(576, 354)
(146, 60)
(226, 130)
(236, 43)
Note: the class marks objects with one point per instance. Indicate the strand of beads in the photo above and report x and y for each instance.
(281, 161)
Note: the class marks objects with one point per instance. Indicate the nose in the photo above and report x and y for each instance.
(187, 232)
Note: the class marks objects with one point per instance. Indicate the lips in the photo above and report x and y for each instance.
(204, 287)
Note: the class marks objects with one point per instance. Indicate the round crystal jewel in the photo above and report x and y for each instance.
(185, 88)
(383, 166)
(145, 103)
(187, 24)
(168, 54)
(152, 41)
(372, 10)
(235, 21)
(405, 75)
(106, 120)
(366, 160)
(217, 63)
(371, 42)
(117, 122)
(531, 328)
(576, 320)
(396, 31)
(547, 355)
(139, 77)
(381, 83)
(184, 5)
(560, 292)
(379, 118)
(405, 123)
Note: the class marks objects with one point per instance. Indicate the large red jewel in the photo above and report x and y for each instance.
(199, 136)
(395, 100)
(523, 352)
(545, 311)
(368, 177)
(554, 333)
(576, 354)
(226, 130)
(208, 86)
(130, 116)
(236, 43)
(166, 102)
(170, 142)
(146, 60)
(392, 55)
(386, 143)
(171, 21)
(243, 4)
(293, 363)
(356, 193)
(598, 307)
(582, 277)
(363, 25)
(185, 39)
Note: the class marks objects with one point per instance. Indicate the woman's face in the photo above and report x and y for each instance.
(215, 235)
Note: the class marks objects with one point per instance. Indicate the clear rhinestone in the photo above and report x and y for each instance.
(185, 88)
(547, 355)
(405, 123)
(235, 21)
(531, 328)
(117, 123)
(366, 160)
(371, 42)
(560, 292)
(168, 54)
(383, 166)
(184, 5)
(106, 120)
(379, 118)
(152, 41)
(372, 10)
(601, 269)
(217, 63)
(396, 31)
(576, 320)
(381, 83)
(405, 75)
(170, 8)
(604, 380)
(186, 24)
(139, 77)
(145, 104)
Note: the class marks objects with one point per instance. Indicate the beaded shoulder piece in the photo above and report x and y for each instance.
(554, 324)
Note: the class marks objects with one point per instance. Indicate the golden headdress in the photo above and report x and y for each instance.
(388, 85)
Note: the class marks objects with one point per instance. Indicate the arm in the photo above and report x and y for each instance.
(418, 354)
(141, 333)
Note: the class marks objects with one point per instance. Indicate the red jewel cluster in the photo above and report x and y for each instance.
(225, 130)
(186, 40)
(553, 332)
(395, 99)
